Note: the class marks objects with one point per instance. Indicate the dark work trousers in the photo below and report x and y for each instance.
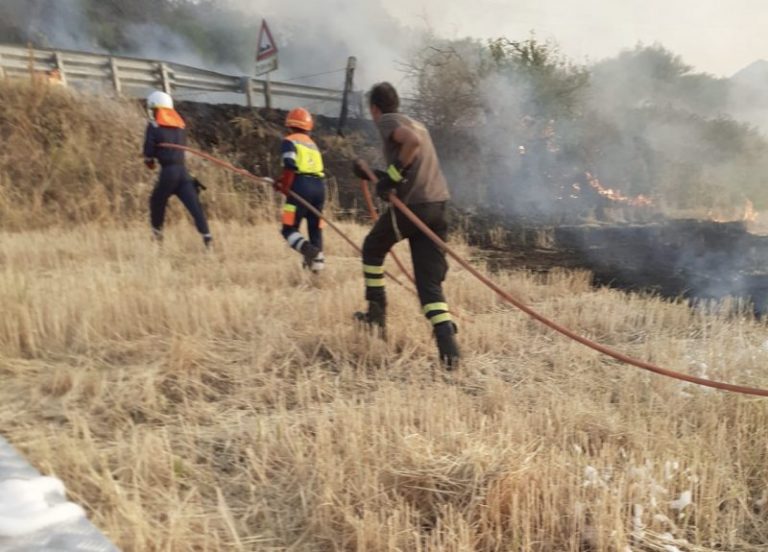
(429, 264)
(312, 189)
(174, 180)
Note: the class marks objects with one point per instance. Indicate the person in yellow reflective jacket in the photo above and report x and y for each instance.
(302, 174)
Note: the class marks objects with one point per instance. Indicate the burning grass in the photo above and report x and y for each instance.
(225, 401)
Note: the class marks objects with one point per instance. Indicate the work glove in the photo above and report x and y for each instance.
(199, 187)
(150, 163)
(384, 185)
(390, 179)
(396, 172)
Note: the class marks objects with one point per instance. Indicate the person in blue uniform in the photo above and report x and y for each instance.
(167, 126)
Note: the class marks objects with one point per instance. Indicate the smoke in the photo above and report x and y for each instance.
(314, 39)
(62, 23)
(563, 142)
(540, 141)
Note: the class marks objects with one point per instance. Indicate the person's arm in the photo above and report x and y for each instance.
(150, 147)
(288, 154)
(410, 144)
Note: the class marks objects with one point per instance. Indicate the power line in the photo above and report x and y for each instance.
(314, 75)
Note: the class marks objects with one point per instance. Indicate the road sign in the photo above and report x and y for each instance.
(267, 47)
(266, 52)
(266, 66)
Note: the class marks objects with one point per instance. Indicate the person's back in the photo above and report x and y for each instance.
(156, 135)
(426, 183)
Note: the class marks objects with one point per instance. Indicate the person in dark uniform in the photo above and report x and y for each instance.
(167, 126)
(414, 174)
(302, 174)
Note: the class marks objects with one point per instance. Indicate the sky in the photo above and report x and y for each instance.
(714, 36)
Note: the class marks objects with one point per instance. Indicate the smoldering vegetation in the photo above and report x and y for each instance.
(626, 167)
(526, 132)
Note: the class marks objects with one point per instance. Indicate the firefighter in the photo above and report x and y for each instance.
(167, 126)
(302, 174)
(414, 174)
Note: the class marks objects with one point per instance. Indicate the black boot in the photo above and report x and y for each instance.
(207, 241)
(309, 252)
(447, 348)
(375, 318)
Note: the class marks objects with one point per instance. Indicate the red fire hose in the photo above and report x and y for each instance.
(503, 294)
(246, 174)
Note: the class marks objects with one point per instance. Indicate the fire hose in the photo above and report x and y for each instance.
(263, 180)
(608, 351)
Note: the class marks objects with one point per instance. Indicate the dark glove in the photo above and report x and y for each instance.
(150, 163)
(199, 187)
(384, 185)
(397, 172)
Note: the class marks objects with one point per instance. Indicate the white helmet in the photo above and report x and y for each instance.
(159, 99)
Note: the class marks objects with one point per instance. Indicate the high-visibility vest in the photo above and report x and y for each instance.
(308, 159)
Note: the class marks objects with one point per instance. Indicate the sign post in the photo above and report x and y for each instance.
(348, 85)
(266, 59)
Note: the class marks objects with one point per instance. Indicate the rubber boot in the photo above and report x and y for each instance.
(375, 318)
(208, 241)
(309, 252)
(318, 265)
(445, 335)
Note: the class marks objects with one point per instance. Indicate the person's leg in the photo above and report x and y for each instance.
(430, 269)
(315, 226)
(188, 196)
(293, 213)
(158, 201)
(377, 244)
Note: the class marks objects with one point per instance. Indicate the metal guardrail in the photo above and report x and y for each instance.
(133, 76)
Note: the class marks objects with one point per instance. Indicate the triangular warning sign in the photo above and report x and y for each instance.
(267, 47)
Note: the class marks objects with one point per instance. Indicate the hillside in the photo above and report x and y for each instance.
(226, 401)
(71, 159)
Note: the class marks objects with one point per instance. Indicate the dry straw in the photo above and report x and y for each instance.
(224, 401)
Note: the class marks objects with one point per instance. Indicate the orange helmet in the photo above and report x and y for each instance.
(299, 118)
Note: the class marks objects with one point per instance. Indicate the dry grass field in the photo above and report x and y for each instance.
(226, 401)
(220, 401)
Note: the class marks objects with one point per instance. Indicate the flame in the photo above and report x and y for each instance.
(748, 214)
(615, 195)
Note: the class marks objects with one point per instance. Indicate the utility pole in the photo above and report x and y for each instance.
(348, 86)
